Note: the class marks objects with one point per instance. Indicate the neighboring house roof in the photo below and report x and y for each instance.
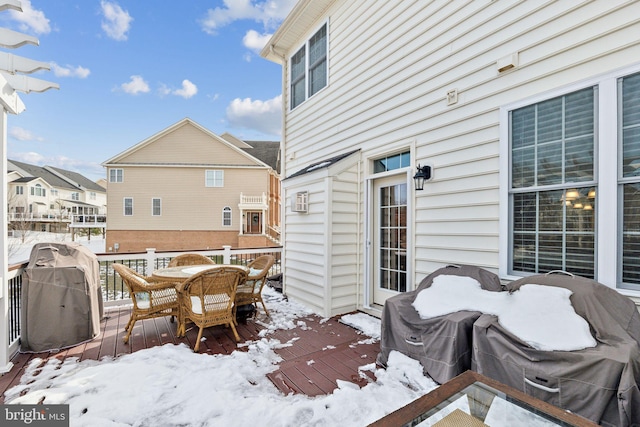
(266, 151)
(79, 179)
(55, 177)
(322, 164)
(51, 178)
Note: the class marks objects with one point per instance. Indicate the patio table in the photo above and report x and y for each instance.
(182, 272)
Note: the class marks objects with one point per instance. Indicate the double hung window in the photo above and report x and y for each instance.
(214, 178)
(309, 68)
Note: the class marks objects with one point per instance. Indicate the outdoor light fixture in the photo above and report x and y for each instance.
(423, 174)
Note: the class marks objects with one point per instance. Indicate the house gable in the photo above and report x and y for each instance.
(185, 143)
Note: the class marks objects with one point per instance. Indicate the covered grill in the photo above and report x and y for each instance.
(61, 302)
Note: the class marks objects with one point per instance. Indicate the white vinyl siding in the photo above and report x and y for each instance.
(309, 64)
(116, 175)
(214, 178)
(156, 206)
(128, 206)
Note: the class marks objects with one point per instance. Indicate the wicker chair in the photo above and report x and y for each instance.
(251, 291)
(207, 299)
(190, 259)
(151, 297)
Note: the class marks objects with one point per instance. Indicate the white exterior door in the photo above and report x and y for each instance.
(389, 237)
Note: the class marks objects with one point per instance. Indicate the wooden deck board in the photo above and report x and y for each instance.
(321, 351)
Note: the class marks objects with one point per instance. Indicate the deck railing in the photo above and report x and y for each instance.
(114, 292)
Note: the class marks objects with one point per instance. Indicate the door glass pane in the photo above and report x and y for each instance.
(393, 233)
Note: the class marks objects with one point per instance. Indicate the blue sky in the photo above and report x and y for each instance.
(128, 69)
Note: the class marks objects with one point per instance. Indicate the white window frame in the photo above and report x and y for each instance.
(227, 213)
(19, 189)
(606, 175)
(124, 206)
(75, 195)
(116, 175)
(307, 68)
(153, 206)
(214, 178)
(300, 202)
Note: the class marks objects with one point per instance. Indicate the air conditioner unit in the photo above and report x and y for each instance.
(300, 202)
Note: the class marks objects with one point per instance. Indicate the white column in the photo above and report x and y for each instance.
(5, 363)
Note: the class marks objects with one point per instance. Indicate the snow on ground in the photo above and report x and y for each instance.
(171, 385)
(19, 252)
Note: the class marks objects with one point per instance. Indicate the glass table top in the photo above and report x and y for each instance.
(473, 400)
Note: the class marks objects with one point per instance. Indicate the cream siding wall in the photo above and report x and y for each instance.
(391, 65)
(184, 198)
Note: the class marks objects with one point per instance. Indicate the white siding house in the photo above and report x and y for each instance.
(528, 113)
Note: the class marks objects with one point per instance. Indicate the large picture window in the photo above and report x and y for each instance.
(553, 188)
(309, 68)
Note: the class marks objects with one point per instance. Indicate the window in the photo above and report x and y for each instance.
(552, 185)
(309, 68)
(629, 182)
(54, 192)
(214, 178)
(156, 207)
(92, 195)
(37, 190)
(389, 163)
(75, 196)
(19, 189)
(300, 202)
(116, 175)
(226, 216)
(128, 206)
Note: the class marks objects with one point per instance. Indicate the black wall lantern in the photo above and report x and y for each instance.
(423, 174)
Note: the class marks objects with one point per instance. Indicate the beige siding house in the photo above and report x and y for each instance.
(527, 112)
(186, 188)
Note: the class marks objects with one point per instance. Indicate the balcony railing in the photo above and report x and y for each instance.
(114, 292)
(38, 217)
(88, 221)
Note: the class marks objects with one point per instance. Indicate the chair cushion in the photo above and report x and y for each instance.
(221, 303)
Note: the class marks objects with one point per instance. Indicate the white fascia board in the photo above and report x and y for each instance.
(19, 64)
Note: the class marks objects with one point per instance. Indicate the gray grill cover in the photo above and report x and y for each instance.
(442, 344)
(599, 383)
(61, 303)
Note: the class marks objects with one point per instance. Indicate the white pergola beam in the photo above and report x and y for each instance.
(18, 64)
(12, 39)
(11, 4)
(27, 84)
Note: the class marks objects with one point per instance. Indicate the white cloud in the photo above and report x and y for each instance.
(70, 71)
(263, 116)
(31, 19)
(255, 41)
(187, 91)
(268, 12)
(22, 134)
(135, 86)
(117, 22)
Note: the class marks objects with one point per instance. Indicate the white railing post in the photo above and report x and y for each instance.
(150, 258)
(226, 257)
